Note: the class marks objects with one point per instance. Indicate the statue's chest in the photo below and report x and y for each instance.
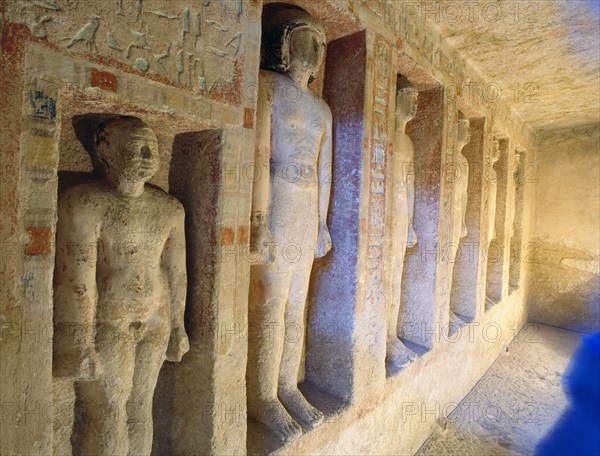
(133, 226)
(297, 129)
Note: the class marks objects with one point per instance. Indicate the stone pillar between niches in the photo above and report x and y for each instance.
(422, 265)
(28, 184)
(204, 406)
(197, 410)
(464, 289)
(516, 242)
(494, 252)
(346, 332)
(334, 282)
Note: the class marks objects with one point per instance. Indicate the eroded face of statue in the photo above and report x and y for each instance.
(496, 151)
(464, 133)
(406, 103)
(130, 151)
(306, 50)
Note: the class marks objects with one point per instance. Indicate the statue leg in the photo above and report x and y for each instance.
(455, 322)
(150, 355)
(101, 404)
(398, 355)
(266, 309)
(295, 333)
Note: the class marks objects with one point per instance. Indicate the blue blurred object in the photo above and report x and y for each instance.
(577, 432)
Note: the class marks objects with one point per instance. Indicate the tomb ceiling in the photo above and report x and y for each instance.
(549, 50)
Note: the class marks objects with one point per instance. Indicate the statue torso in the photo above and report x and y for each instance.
(130, 234)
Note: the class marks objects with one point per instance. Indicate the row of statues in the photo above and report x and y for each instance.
(128, 315)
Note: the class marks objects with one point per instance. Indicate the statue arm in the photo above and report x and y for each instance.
(173, 263)
(75, 292)
(410, 194)
(325, 178)
(463, 202)
(259, 230)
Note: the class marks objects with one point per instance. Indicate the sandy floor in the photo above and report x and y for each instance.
(515, 403)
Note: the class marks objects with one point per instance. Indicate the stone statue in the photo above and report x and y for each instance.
(403, 235)
(493, 176)
(289, 209)
(512, 212)
(459, 202)
(460, 185)
(119, 290)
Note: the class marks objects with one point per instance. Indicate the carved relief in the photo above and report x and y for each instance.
(119, 288)
(289, 214)
(87, 34)
(375, 301)
(125, 30)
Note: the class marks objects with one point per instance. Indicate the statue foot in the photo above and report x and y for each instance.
(296, 403)
(274, 415)
(455, 324)
(399, 355)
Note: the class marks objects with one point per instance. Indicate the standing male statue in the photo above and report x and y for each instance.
(289, 214)
(119, 290)
(403, 235)
(510, 223)
(493, 176)
(459, 203)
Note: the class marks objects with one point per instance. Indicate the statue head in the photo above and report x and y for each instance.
(406, 99)
(291, 37)
(125, 148)
(495, 151)
(464, 131)
(517, 160)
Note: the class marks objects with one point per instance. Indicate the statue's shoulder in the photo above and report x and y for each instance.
(325, 109)
(166, 201)
(82, 196)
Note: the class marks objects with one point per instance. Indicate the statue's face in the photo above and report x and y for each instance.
(406, 103)
(131, 153)
(496, 151)
(306, 49)
(517, 161)
(464, 131)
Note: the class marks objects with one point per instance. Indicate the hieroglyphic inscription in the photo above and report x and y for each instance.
(377, 166)
(203, 54)
(383, 9)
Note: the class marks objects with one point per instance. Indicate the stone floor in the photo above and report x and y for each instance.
(516, 402)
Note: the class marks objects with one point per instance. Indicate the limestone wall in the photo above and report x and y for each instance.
(565, 276)
(189, 69)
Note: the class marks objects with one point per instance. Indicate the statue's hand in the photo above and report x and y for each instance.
(89, 369)
(324, 244)
(261, 243)
(179, 345)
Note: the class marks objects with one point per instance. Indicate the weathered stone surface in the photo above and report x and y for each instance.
(557, 58)
(563, 254)
(191, 71)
